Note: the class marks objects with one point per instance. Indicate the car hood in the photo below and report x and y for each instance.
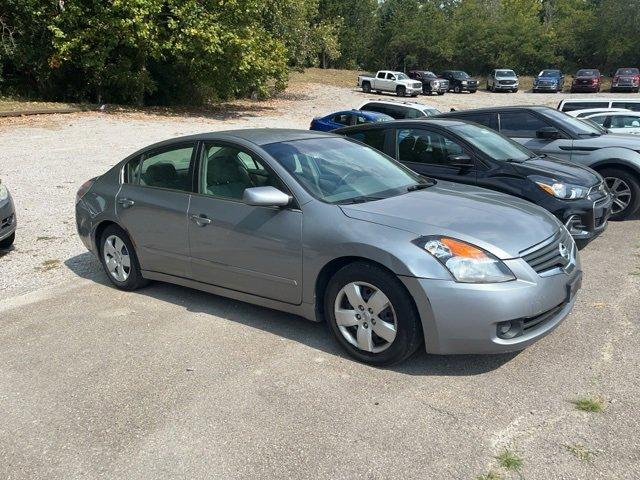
(506, 78)
(559, 169)
(501, 224)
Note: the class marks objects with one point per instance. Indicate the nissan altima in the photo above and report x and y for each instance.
(330, 229)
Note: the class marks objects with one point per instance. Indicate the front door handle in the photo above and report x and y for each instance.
(201, 220)
(126, 203)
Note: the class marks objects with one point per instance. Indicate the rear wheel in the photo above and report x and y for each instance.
(366, 87)
(401, 91)
(7, 242)
(372, 315)
(119, 259)
(625, 188)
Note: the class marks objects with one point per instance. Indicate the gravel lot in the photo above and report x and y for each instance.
(171, 383)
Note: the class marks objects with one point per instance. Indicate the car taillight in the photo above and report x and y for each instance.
(84, 189)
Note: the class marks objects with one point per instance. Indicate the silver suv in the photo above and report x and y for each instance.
(502, 79)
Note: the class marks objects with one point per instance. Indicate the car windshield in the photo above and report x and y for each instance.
(401, 76)
(505, 73)
(572, 124)
(429, 75)
(338, 170)
(461, 75)
(587, 73)
(627, 71)
(549, 73)
(493, 144)
(431, 112)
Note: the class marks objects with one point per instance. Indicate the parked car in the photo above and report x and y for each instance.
(431, 83)
(389, 81)
(324, 227)
(8, 220)
(590, 111)
(617, 122)
(460, 81)
(472, 154)
(502, 80)
(626, 80)
(586, 80)
(346, 117)
(548, 81)
(400, 110)
(570, 104)
(548, 131)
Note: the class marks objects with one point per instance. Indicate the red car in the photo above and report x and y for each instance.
(586, 80)
(626, 80)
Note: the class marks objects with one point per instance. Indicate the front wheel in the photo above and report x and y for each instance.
(625, 188)
(440, 93)
(372, 315)
(401, 91)
(456, 89)
(7, 242)
(119, 259)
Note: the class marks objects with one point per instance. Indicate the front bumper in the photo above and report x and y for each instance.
(546, 87)
(412, 90)
(585, 88)
(625, 87)
(441, 88)
(462, 318)
(499, 86)
(8, 219)
(587, 218)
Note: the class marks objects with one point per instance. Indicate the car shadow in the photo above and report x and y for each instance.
(292, 327)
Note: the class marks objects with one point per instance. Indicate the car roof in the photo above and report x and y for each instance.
(599, 110)
(616, 113)
(598, 100)
(496, 109)
(440, 122)
(397, 102)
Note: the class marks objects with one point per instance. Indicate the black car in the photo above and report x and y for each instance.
(460, 81)
(465, 152)
(431, 83)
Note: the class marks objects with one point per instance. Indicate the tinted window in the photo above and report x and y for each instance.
(422, 146)
(481, 118)
(600, 119)
(373, 138)
(520, 124)
(342, 119)
(168, 168)
(635, 106)
(338, 170)
(571, 124)
(227, 171)
(380, 74)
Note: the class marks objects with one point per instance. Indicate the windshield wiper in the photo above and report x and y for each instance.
(419, 186)
(359, 199)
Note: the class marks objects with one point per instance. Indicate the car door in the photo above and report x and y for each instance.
(431, 153)
(522, 126)
(255, 250)
(152, 207)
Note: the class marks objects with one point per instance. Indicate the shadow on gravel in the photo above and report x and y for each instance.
(292, 327)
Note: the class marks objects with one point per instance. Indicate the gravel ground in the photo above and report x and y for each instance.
(170, 383)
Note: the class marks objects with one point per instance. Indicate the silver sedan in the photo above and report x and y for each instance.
(8, 220)
(330, 229)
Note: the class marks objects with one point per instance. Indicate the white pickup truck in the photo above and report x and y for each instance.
(389, 81)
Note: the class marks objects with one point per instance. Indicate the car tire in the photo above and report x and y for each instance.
(405, 333)
(366, 87)
(401, 91)
(119, 259)
(515, 90)
(7, 242)
(379, 92)
(457, 89)
(441, 93)
(625, 187)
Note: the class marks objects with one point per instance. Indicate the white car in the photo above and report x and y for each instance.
(390, 81)
(617, 122)
(590, 111)
(569, 104)
(400, 110)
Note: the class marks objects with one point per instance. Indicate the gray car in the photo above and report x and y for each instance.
(8, 220)
(327, 228)
(502, 80)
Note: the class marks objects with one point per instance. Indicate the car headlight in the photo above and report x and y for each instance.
(558, 189)
(464, 82)
(4, 192)
(466, 263)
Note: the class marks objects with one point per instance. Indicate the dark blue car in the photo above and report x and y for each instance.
(548, 81)
(346, 118)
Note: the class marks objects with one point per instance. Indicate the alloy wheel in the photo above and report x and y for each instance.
(621, 194)
(117, 258)
(365, 317)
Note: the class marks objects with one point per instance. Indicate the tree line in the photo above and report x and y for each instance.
(195, 51)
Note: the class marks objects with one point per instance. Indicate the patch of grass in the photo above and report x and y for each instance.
(490, 476)
(8, 104)
(589, 404)
(329, 76)
(581, 452)
(509, 460)
(636, 273)
(50, 264)
(44, 239)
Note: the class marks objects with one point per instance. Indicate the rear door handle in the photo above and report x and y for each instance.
(126, 203)
(201, 220)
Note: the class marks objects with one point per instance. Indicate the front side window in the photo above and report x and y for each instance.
(167, 168)
(342, 119)
(337, 170)
(226, 172)
(520, 124)
(481, 118)
(599, 119)
(417, 145)
(571, 124)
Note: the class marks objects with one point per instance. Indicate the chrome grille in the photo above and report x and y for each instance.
(547, 255)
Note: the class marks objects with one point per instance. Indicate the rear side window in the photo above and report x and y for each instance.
(373, 138)
(413, 113)
(167, 168)
(375, 107)
(600, 119)
(520, 124)
(486, 119)
(571, 106)
(635, 106)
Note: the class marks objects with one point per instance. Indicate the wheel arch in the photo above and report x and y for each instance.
(101, 227)
(618, 163)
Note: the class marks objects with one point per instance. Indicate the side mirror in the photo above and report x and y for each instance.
(461, 160)
(265, 197)
(548, 133)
